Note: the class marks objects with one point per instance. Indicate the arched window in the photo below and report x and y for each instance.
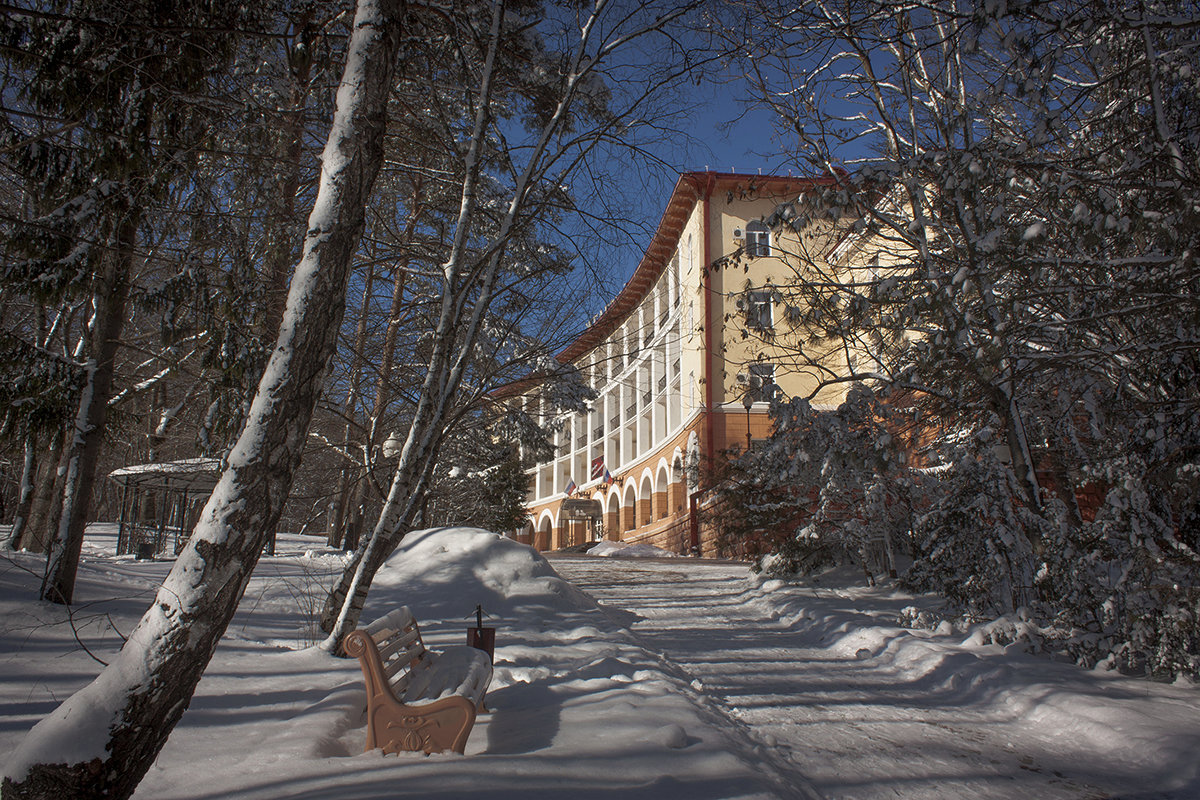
(758, 239)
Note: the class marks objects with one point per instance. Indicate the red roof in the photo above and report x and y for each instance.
(688, 190)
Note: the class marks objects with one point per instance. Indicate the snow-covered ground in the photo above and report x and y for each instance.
(686, 681)
(862, 708)
(608, 549)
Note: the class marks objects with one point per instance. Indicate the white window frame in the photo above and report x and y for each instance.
(760, 311)
(763, 389)
(758, 239)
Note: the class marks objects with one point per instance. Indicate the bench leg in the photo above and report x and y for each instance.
(433, 728)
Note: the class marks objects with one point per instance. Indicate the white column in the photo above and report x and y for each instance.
(652, 386)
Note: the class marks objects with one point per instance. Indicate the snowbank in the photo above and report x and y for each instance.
(622, 550)
(578, 706)
(820, 685)
(443, 573)
(1121, 732)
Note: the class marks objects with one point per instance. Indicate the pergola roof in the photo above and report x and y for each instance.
(191, 475)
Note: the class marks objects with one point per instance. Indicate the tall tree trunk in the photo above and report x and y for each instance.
(82, 453)
(383, 393)
(124, 717)
(46, 508)
(337, 508)
(24, 491)
(350, 495)
(337, 516)
(281, 250)
(280, 253)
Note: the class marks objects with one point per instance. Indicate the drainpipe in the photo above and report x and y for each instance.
(707, 371)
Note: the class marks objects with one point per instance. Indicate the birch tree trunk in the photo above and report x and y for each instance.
(127, 713)
(461, 317)
(24, 490)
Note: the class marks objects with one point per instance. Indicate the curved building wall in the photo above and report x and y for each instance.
(669, 363)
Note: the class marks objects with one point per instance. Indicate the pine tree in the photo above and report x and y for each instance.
(127, 713)
(112, 88)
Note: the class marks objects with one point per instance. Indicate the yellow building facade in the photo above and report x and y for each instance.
(684, 360)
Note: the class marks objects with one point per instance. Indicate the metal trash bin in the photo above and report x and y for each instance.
(482, 638)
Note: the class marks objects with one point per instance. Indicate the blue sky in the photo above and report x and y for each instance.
(718, 133)
(733, 138)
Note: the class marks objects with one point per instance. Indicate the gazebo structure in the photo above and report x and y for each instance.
(160, 503)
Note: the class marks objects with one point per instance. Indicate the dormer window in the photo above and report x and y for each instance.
(758, 239)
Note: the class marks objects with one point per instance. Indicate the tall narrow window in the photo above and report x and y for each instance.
(759, 311)
(762, 382)
(758, 239)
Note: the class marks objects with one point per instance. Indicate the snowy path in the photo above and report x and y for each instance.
(862, 709)
(690, 683)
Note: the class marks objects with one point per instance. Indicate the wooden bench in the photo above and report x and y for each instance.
(417, 699)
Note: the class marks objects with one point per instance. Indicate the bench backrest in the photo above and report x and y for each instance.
(397, 637)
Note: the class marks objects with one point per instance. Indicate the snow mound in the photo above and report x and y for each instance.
(621, 550)
(443, 573)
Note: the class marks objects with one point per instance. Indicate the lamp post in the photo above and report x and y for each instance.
(392, 445)
(747, 402)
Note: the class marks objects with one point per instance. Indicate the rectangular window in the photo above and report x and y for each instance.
(758, 239)
(759, 313)
(762, 382)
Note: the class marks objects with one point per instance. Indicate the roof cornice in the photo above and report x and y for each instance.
(687, 192)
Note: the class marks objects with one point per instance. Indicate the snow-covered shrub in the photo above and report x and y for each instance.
(1031, 270)
(1127, 585)
(1011, 628)
(828, 487)
(974, 544)
(921, 618)
(491, 498)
